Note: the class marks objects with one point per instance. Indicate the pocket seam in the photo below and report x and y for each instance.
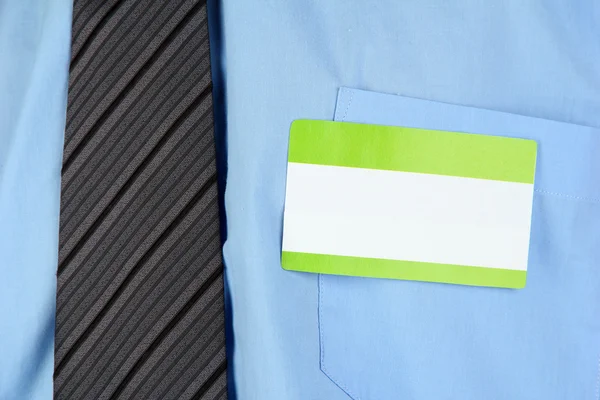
(322, 366)
(348, 107)
(568, 196)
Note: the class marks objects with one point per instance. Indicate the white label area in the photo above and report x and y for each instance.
(407, 216)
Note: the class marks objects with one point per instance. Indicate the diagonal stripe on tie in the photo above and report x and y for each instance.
(140, 279)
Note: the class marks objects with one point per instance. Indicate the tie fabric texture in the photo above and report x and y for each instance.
(140, 309)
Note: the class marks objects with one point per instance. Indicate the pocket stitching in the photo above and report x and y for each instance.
(568, 196)
(322, 366)
(348, 106)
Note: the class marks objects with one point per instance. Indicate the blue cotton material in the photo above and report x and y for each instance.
(379, 339)
(393, 339)
(34, 66)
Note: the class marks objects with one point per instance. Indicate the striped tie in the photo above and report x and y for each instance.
(140, 309)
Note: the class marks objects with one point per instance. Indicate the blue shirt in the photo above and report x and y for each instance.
(379, 339)
(34, 66)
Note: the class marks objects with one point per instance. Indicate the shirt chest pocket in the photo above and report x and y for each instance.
(393, 339)
(386, 339)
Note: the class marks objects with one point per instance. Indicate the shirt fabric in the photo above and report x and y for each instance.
(387, 339)
(287, 60)
(34, 65)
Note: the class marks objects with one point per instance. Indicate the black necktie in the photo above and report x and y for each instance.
(140, 283)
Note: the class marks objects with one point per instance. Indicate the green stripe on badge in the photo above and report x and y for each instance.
(407, 270)
(412, 150)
